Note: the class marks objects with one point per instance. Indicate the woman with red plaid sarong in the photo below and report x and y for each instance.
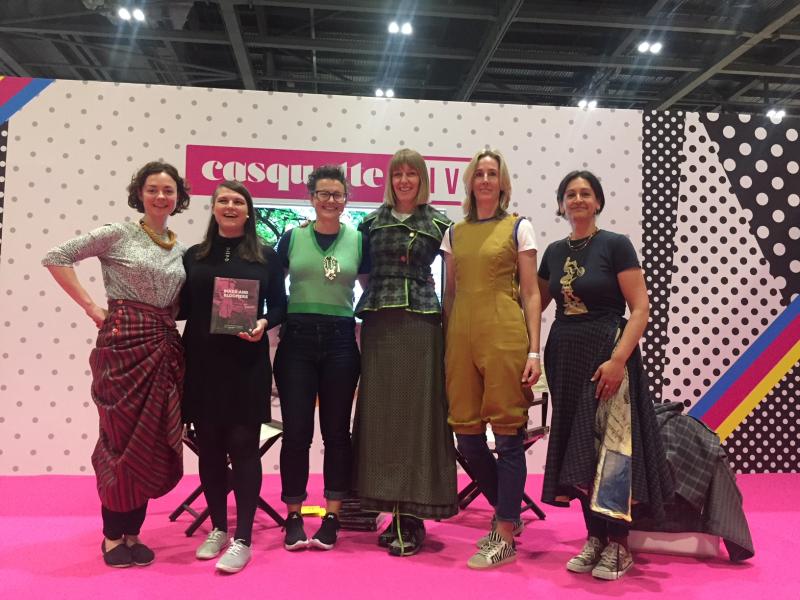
(137, 363)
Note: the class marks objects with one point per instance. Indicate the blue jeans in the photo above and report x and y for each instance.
(316, 359)
(501, 479)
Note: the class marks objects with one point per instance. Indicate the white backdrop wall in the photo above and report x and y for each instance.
(70, 153)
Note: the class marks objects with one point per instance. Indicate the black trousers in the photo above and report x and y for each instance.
(600, 527)
(216, 444)
(116, 524)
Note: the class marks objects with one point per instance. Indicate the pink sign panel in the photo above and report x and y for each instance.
(281, 174)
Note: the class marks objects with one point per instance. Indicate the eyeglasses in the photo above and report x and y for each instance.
(325, 195)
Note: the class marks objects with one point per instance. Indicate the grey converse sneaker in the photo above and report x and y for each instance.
(494, 553)
(588, 557)
(615, 561)
(519, 527)
(213, 545)
(235, 558)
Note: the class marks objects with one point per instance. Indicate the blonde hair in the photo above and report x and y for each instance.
(469, 206)
(413, 159)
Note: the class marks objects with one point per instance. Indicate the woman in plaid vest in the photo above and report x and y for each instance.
(405, 462)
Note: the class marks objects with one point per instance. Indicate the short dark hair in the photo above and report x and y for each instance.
(251, 249)
(335, 172)
(594, 183)
(153, 168)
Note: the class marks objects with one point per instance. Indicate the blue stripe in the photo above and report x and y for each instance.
(22, 98)
(748, 358)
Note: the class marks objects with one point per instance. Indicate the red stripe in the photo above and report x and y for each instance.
(745, 384)
(11, 86)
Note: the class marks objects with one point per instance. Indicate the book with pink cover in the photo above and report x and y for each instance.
(234, 307)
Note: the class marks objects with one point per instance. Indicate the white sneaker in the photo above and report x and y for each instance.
(213, 545)
(235, 558)
(495, 552)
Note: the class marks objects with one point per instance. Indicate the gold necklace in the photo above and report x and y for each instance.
(171, 237)
(581, 243)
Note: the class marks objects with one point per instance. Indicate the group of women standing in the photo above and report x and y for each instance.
(481, 353)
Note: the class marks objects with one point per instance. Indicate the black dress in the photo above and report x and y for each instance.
(228, 379)
(590, 310)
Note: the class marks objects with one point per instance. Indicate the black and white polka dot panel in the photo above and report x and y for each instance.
(662, 155)
(760, 156)
(723, 294)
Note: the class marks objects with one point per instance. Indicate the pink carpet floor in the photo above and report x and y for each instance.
(50, 548)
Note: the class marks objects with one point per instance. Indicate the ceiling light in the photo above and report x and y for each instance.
(406, 29)
(656, 47)
(582, 104)
(643, 47)
(394, 27)
(776, 114)
(379, 93)
(390, 93)
(138, 14)
(124, 14)
(592, 104)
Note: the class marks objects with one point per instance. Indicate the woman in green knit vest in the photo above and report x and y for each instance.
(405, 461)
(317, 357)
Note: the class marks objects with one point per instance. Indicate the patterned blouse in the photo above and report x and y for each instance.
(134, 267)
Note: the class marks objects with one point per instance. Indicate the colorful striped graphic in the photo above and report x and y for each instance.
(16, 92)
(749, 380)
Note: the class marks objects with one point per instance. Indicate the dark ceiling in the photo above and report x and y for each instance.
(742, 55)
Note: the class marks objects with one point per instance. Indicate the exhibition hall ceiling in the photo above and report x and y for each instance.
(696, 55)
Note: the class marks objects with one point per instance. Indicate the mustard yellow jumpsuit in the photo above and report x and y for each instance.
(485, 354)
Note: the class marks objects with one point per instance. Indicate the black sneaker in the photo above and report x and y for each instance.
(409, 540)
(118, 557)
(295, 538)
(325, 538)
(389, 534)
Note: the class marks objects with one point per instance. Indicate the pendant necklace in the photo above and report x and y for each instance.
(330, 264)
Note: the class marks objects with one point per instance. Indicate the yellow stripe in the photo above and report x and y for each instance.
(759, 392)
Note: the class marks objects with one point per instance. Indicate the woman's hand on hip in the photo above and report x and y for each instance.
(609, 377)
(532, 372)
(96, 313)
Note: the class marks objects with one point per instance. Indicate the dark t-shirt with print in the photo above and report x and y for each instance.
(584, 283)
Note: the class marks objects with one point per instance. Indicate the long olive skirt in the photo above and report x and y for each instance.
(404, 454)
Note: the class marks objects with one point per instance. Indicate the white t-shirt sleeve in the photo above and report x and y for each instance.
(526, 236)
(445, 245)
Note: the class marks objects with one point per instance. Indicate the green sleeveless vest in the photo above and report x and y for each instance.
(309, 290)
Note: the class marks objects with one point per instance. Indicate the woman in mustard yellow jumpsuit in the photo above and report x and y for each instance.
(493, 317)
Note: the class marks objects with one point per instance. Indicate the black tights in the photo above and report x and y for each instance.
(602, 528)
(116, 524)
(240, 443)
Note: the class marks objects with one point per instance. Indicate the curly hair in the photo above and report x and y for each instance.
(154, 168)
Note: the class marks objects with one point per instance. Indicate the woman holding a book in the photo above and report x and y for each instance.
(231, 279)
(137, 362)
(317, 358)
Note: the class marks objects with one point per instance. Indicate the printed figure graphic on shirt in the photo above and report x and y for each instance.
(572, 304)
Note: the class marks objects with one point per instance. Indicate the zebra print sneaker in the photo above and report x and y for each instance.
(494, 553)
(519, 527)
